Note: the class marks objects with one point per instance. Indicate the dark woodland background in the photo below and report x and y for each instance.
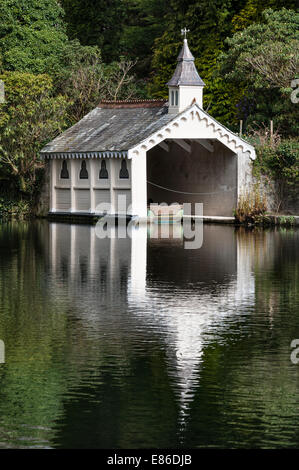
(59, 59)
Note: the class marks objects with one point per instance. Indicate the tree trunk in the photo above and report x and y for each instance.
(23, 185)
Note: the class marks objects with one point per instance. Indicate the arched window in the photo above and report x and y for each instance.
(103, 171)
(64, 174)
(172, 98)
(83, 171)
(123, 170)
(176, 98)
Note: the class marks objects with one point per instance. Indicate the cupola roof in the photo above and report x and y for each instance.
(185, 73)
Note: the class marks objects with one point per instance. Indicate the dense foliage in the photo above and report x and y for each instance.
(262, 61)
(32, 35)
(29, 116)
(118, 27)
(210, 24)
(58, 59)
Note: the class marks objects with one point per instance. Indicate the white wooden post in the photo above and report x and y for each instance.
(73, 184)
(139, 184)
(92, 182)
(53, 177)
(113, 180)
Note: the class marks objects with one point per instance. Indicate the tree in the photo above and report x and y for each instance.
(96, 24)
(145, 21)
(265, 54)
(90, 83)
(33, 39)
(29, 118)
(86, 80)
(253, 12)
(210, 23)
(262, 61)
(119, 28)
(32, 35)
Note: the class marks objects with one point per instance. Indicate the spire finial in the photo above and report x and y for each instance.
(184, 32)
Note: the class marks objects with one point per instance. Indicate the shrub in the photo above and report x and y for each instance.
(18, 209)
(252, 206)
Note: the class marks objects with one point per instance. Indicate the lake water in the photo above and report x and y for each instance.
(140, 343)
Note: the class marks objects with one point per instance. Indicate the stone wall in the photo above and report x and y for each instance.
(275, 202)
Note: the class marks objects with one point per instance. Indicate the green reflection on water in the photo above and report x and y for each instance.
(92, 363)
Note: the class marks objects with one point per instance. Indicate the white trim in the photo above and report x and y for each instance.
(72, 155)
(232, 141)
(220, 133)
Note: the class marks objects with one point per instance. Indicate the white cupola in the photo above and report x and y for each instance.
(185, 86)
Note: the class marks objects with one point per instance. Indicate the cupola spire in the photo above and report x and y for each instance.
(185, 85)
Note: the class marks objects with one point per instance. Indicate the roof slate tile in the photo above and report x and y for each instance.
(100, 131)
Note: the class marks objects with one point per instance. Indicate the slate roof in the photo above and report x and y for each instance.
(185, 73)
(107, 128)
(118, 127)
